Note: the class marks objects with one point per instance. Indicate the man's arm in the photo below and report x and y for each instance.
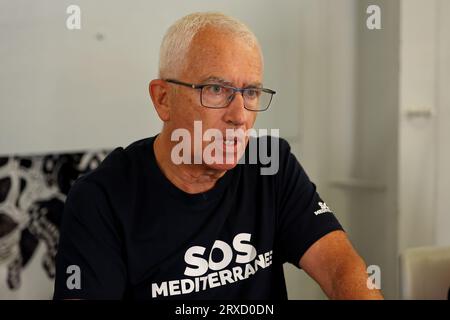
(337, 268)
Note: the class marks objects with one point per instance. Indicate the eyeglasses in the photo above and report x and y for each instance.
(218, 96)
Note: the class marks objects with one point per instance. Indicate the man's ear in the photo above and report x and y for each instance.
(158, 90)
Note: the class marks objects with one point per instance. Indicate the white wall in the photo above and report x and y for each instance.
(417, 158)
(424, 128)
(443, 127)
(424, 148)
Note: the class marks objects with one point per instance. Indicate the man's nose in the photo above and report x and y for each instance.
(236, 113)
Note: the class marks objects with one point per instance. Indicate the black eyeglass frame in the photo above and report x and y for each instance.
(241, 90)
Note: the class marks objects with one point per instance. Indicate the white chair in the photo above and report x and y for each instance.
(425, 273)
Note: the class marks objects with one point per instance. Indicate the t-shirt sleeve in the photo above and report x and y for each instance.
(89, 262)
(303, 217)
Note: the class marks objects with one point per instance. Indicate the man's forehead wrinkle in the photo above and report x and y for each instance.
(216, 79)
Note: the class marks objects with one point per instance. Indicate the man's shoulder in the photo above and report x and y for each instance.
(120, 165)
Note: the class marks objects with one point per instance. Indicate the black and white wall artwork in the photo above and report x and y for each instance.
(32, 194)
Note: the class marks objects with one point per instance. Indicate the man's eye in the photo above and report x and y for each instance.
(215, 89)
(252, 93)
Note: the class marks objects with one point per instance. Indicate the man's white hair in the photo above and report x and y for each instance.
(176, 42)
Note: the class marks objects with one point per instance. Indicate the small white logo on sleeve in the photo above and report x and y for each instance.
(323, 208)
(74, 280)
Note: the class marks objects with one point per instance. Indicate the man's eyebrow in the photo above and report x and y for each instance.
(219, 80)
(215, 79)
(254, 85)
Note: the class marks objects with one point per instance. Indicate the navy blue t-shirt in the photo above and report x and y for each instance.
(128, 232)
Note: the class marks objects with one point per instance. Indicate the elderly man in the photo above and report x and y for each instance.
(143, 225)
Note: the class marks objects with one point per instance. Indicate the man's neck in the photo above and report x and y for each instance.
(191, 178)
